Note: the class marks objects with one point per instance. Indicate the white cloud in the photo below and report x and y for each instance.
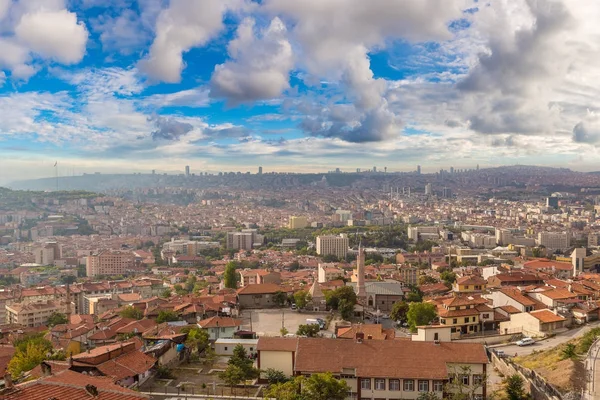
(260, 66)
(182, 26)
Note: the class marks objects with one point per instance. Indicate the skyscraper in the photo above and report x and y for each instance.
(428, 190)
(374, 169)
(260, 170)
(418, 170)
(187, 170)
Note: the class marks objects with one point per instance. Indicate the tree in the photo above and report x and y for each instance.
(420, 314)
(301, 298)
(68, 279)
(330, 258)
(57, 318)
(570, 351)
(26, 360)
(230, 278)
(197, 339)
(414, 296)
(232, 375)
(280, 298)
(190, 283)
(294, 266)
(131, 312)
(448, 277)
(426, 280)
(290, 390)
(241, 360)
(513, 386)
(179, 290)
(166, 293)
(428, 396)
(310, 330)
(457, 388)
(283, 331)
(274, 376)
(325, 387)
(166, 316)
(399, 311)
(334, 297)
(346, 309)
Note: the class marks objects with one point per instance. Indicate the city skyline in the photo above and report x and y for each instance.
(135, 86)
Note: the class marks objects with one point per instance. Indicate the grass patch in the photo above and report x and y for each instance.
(587, 340)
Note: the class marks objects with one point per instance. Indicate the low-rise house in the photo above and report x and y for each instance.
(554, 298)
(277, 353)
(465, 315)
(369, 332)
(535, 323)
(469, 284)
(220, 327)
(258, 296)
(514, 278)
(508, 296)
(224, 347)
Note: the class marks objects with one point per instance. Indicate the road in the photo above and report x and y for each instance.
(545, 344)
(592, 365)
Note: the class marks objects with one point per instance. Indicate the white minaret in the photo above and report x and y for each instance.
(361, 292)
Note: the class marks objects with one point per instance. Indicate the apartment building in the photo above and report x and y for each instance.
(417, 233)
(240, 240)
(328, 272)
(46, 254)
(109, 262)
(298, 222)
(33, 314)
(189, 247)
(333, 245)
(380, 369)
(409, 274)
(554, 240)
(465, 315)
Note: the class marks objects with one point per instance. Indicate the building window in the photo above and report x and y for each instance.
(365, 383)
(466, 319)
(409, 385)
(442, 321)
(225, 348)
(423, 386)
(436, 336)
(379, 384)
(465, 379)
(486, 316)
(438, 386)
(454, 320)
(394, 384)
(477, 379)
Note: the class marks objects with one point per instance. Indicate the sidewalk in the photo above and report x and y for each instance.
(592, 366)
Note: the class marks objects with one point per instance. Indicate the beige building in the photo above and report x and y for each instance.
(298, 222)
(381, 369)
(334, 245)
(32, 314)
(46, 254)
(109, 263)
(554, 240)
(535, 323)
(328, 272)
(240, 240)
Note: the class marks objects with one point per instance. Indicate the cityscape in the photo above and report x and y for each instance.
(299, 200)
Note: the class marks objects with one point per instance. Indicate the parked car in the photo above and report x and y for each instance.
(501, 354)
(526, 341)
(293, 306)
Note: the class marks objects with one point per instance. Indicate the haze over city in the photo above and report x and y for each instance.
(131, 86)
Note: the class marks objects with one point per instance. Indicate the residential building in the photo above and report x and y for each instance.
(370, 332)
(46, 254)
(465, 314)
(409, 274)
(240, 240)
(535, 323)
(469, 284)
(515, 278)
(298, 222)
(33, 314)
(224, 347)
(259, 276)
(380, 369)
(328, 272)
(509, 296)
(109, 262)
(258, 296)
(417, 233)
(333, 245)
(220, 327)
(554, 297)
(554, 240)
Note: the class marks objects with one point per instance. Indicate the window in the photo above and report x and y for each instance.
(365, 383)
(423, 386)
(465, 379)
(486, 316)
(477, 379)
(442, 321)
(436, 336)
(438, 386)
(222, 329)
(466, 319)
(409, 385)
(379, 384)
(225, 348)
(454, 320)
(394, 384)
(251, 349)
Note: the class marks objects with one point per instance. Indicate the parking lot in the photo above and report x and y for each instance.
(268, 322)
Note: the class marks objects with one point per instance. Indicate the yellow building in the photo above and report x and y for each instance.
(298, 223)
(464, 314)
(33, 314)
(469, 284)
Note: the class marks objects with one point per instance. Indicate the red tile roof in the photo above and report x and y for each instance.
(260, 289)
(277, 344)
(219, 322)
(546, 316)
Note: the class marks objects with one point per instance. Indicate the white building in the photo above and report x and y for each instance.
(334, 245)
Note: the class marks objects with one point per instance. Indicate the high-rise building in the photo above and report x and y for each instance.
(447, 193)
(240, 240)
(418, 169)
(109, 262)
(554, 240)
(260, 170)
(153, 172)
(187, 170)
(428, 190)
(358, 170)
(374, 169)
(46, 254)
(332, 244)
(298, 222)
(451, 170)
(552, 202)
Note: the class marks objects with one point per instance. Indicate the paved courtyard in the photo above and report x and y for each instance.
(268, 322)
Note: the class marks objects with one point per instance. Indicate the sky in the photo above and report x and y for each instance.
(118, 86)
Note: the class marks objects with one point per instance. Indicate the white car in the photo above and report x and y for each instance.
(526, 341)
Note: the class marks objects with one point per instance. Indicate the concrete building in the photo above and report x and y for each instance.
(333, 245)
(428, 189)
(417, 233)
(189, 247)
(46, 254)
(554, 240)
(33, 314)
(109, 262)
(298, 222)
(409, 274)
(361, 292)
(535, 323)
(328, 272)
(244, 240)
(220, 327)
(224, 347)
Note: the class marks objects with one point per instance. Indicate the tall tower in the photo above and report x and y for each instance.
(361, 292)
(187, 170)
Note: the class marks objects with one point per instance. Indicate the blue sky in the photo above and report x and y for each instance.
(228, 85)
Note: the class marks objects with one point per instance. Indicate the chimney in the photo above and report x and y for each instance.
(71, 361)
(8, 383)
(360, 337)
(92, 390)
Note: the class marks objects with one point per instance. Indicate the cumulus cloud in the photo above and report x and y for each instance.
(587, 131)
(182, 26)
(169, 128)
(260, 66)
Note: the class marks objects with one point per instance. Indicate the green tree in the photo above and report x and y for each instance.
(190, 283)
(166, 293)
(333, 298)
(131, 312)
(324, 387)
(274, 376)
(456, 387)
(570, 351)
(513, 386)
(283, 331)
(57, 318)
(22, 361)
(280, 298)
(448, 277)
(428, 396)
(330, 258)
(420, 314)
(414, 296)
(241, 360)
(179, 290)
(197, 339)
(301, 298)
(68, 279)
(310, 330)
(426, 280)
(346, 309)
(232, 375)
(290, 390)
(166, 316)
(230, 277)
(399, 311)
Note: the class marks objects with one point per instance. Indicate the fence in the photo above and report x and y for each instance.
(178, 393)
